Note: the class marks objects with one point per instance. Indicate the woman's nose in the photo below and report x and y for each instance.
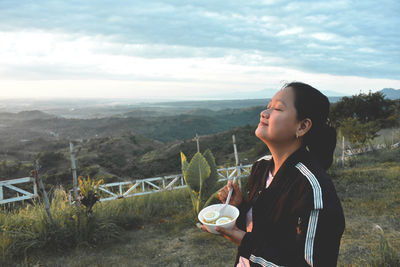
(264, 114)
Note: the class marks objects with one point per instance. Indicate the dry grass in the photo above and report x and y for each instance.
(370, 192)
(153, 245)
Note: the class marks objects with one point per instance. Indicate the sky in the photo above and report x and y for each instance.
(206, 49)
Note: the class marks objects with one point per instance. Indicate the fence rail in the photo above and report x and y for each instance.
(140, 187)
(118, 190)
(145, 186)
(357, 151)
(14, 193)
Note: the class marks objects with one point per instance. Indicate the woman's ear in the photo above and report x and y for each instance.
(304, 127)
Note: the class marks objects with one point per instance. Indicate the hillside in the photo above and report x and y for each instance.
(33, 125)
(123, 146)
(130, 156)
(109, 148)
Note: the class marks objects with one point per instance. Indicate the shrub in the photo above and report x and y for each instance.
(200, 175)
(89, 192)
(25, 230)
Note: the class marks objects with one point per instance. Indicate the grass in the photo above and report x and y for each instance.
(158, 229)
(369, 189)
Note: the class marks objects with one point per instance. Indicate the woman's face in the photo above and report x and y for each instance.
(278, 122)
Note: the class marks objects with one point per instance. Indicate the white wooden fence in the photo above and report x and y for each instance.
(145, 186)
(357, 151)
(9, 192)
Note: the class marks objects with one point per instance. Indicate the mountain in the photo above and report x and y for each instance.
(261, 94)
(211, 104)
(391, 93)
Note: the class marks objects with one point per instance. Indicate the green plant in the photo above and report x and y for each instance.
(200, 175)
(89, 192)
(26, 230)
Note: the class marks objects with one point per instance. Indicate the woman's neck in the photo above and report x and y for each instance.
(281, 153)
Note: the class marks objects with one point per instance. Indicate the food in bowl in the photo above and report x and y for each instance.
(216, 219)
(211, 216)
(223, 220)
(227, 217)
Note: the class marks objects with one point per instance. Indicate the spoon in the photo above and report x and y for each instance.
(228, 198)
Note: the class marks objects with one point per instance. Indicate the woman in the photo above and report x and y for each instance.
(291, 215)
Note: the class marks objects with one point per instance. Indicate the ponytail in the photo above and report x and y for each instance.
(321, 142)
(321, 138)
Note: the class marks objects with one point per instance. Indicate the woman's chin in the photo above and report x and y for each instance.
(260, 134)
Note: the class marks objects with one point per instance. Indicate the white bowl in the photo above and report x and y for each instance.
(228, 211)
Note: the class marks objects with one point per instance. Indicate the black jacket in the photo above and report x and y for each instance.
(297, 221)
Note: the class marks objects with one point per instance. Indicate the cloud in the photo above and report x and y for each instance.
(290, 31)
(323, 36)
(137, 40)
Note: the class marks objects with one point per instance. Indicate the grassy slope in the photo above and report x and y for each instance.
(369, 191)
(160, 231)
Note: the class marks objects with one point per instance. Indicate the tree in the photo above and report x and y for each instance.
(362, 107)
(357, 132)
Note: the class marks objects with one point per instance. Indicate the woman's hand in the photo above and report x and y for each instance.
(234, 235)
(236, 198)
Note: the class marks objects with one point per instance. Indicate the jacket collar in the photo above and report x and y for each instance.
(299, 155)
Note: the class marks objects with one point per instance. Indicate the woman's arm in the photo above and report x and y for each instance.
(322, 240)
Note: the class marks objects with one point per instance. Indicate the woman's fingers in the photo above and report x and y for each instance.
(202, 227)
(229, 185)
(235, 187)
(234, 235)
(223, 193)
(236, 194)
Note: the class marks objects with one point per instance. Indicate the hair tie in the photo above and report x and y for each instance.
(328, 122)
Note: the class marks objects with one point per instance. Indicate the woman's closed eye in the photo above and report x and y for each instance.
(273, 108)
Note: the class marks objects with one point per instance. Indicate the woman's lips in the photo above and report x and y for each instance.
(263, 123)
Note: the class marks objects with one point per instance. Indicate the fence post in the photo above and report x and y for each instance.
(343, 151)
(74, 176)
(236, 160)
(46, 200)
(392, 137)
(197, 139)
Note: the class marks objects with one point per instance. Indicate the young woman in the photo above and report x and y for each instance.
(291, 215)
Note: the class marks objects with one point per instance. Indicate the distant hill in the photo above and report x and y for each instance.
(26, 115)
(223, 104)
(391, 93)
(213, 104)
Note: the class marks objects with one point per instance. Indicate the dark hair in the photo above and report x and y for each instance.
(321, 138)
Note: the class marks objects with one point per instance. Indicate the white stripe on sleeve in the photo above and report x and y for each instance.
(313, 220)
(314, 184)
(309, 244)
(262, 261)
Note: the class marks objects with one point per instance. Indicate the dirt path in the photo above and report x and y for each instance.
(155, 245)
